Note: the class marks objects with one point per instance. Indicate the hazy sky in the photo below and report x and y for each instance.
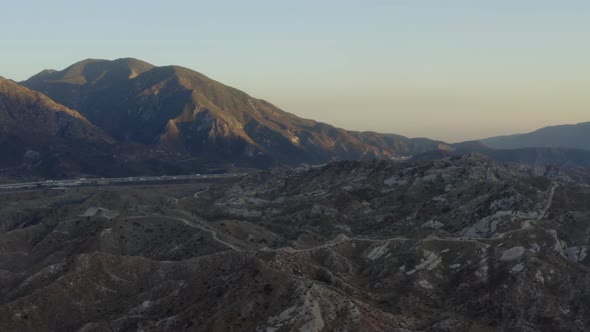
(445, 69)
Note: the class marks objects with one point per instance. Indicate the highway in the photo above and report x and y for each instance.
(64, 184)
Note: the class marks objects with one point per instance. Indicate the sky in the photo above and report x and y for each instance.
(453, 70)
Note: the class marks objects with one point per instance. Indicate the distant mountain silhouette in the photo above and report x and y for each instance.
(576, 136)
(565, 157)
(179, 110)
(543, 156)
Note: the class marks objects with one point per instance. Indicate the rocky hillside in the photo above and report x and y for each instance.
(30, 115)
(459, 244)
(179, 110)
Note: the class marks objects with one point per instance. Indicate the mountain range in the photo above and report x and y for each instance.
(179, 110)
(104, 118)
(575, 136)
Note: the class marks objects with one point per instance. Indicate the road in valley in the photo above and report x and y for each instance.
(64, 184)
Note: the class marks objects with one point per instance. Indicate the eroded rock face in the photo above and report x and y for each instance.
(461, 244)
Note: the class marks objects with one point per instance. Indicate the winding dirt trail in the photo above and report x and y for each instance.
(340, 239)
(332, 243)
(196, 195)
(527, 224)
(189, 223)
(290, 250)
(549, 202)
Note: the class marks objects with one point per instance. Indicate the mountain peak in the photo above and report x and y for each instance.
(90, 70)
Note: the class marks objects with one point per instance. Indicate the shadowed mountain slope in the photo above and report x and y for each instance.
(40, 138)
(32, 125)
(30, 114)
